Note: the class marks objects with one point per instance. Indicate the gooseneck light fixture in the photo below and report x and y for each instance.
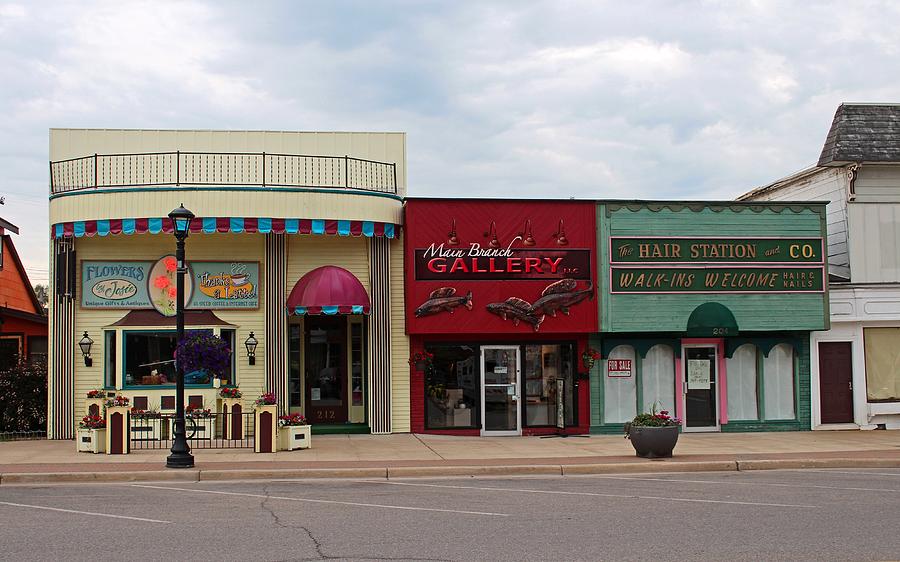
(85, 344)
(180, 456)
(251, 344)
(492, 232)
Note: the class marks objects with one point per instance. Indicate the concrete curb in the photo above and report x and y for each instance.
(817, 463)
(211, 475)
(99, 477)
(652, 466)
(291, 473)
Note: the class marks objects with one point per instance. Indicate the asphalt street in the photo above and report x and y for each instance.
(759, 515)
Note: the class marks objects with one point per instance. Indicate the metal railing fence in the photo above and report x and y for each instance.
(257, 169)
(218, 431)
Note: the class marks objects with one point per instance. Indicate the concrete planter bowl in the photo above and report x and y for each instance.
(653, 442)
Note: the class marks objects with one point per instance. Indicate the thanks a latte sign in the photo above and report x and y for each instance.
(716, 265)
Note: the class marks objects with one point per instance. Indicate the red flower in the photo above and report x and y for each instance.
(161, 282)
(173, 292)
(171, 264)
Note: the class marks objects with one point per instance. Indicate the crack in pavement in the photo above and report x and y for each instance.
(271, 511)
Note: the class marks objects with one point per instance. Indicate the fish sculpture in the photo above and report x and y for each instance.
(516, 309)
(443, 300)
(560, 296)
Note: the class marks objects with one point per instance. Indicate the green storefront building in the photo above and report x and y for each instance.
(705, 311)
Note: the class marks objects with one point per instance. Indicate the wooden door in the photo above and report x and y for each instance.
(836, 382)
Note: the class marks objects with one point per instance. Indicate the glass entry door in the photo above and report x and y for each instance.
(700, 389)
(500, 391)
(326, 369)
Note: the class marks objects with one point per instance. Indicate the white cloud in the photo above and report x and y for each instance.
(584, 98)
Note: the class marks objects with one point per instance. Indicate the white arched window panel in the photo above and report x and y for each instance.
(741, 372)
(778, 380)
(619, 393)
(658, 379)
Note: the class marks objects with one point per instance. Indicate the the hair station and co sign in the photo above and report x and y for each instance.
(503, 295)
(716, 265)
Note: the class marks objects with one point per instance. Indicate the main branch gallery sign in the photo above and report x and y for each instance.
(476, 263)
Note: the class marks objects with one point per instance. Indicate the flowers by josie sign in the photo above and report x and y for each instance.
(146, 284)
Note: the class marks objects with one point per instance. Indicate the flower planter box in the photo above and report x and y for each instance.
(293, 437)
(233, 424)
(653, 442)
(91, 440)
(94, 406)
(265, 434)
(118, 424)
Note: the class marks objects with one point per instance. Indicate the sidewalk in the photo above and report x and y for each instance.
(399, 455)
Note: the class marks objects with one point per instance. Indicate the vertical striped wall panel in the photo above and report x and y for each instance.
(380, 336)
(61, 373)
(276, 320)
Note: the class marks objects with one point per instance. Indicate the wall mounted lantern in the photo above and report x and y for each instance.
(85, 344)
(251, 344)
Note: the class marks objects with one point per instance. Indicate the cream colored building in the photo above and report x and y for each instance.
(272, 209)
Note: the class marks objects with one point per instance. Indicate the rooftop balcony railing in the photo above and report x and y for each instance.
(256, 169)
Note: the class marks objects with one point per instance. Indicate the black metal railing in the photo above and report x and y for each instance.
(257, 169)
(218, 431)
(22, 435)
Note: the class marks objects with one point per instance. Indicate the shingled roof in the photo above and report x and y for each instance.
(863, 132)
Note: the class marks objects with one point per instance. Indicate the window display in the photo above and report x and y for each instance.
(452, 387)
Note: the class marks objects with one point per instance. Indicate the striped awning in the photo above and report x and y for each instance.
(209, 225)
(328, 290)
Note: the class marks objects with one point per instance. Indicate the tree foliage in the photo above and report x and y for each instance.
(23, 396)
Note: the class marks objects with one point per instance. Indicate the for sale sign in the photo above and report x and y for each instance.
(618, 368)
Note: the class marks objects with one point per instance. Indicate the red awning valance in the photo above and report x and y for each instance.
(328, 290)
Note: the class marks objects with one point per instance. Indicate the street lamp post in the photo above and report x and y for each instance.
(180, 456)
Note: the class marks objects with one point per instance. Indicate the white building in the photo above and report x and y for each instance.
(856, 364)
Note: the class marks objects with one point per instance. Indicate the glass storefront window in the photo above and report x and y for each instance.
(619, 393)
(658, 379)
(357, 354)
(544, 364)
(109, 348)
(882, 347)
(295, 391)
(150, 360)
(742, 380)
(778, 381)
(452, 387)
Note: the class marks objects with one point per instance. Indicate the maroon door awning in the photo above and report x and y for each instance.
(328, 290)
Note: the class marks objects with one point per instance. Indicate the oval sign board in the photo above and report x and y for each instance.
(161, 285)
(114, 289)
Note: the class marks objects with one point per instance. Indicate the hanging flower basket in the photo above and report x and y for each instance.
(421, 361)
(589, 357)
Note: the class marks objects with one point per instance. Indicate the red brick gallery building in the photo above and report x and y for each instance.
(500, 301)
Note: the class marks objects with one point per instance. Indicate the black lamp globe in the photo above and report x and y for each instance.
(251, 344)
(85, 344)
(181, 221)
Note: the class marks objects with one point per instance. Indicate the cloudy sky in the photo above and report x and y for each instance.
(681, 100)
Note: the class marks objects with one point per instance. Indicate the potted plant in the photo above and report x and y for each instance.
(294, 432)
(653, 435)
(230, 392)
(117, 401)
(92, 434)
(203, 357)
(145, 424)
(200, 423)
